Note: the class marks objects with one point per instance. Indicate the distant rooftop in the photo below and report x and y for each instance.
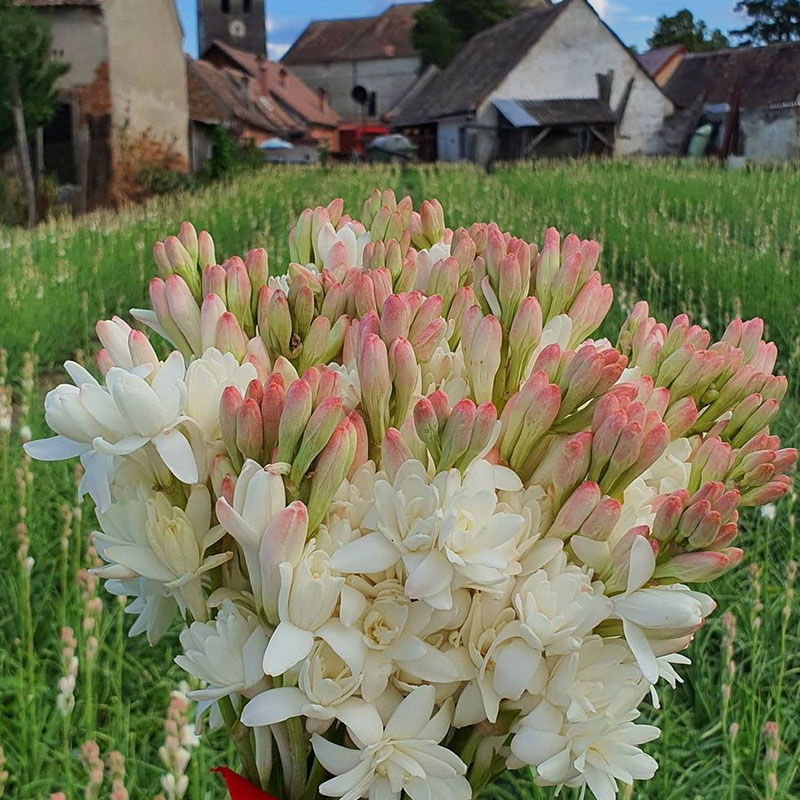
(764, 76)
(655, 60)
(387, 35)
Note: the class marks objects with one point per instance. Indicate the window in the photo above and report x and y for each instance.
(226, 6)
(247, 6)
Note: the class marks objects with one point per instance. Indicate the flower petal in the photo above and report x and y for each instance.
(273, 706)
(176, 452)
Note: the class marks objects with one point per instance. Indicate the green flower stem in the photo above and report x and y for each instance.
(241, 738)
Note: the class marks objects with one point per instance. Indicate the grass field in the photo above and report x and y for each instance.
(687, 238)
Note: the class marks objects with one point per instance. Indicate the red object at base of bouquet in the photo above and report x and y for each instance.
(239, 788)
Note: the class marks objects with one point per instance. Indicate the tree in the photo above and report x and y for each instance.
(28, 96)
(682, 28)
(443, 27)
(772, 21)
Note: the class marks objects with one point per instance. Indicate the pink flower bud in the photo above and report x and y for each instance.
(272, 404)
(104, 362)
(361, 455)
(295, 416)
(210, 314)
(457, 433)
(158, 299)
(230, 338)
(257, 265)
(482, 358)
(484, 432)
(335, 303)
(767, 493)
(404, 373)
(395, 317)
(188, 238)
(141, 350)
(576, 510)
(426, 424)
(183, 264)
(698, 567)
(214, 281)
(373, 373)
(429, 339)
(681, 417)
(464, 300)
(283, 541)
(205, 250)
(602, 520)
(280, 325)
(590, 307)
(432, 227)
(162, 260)
(257, 356)
(229, 405)
(317, 433)
(249, 429)
(394, 452)
(332, 468)
(184, 311)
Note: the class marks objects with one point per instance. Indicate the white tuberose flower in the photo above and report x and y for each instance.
(448, 532)
(148, 537)
(134, 408)
(206, 378)
(225, 653)
(405, 756)
(657, 612)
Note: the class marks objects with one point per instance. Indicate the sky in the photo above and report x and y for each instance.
(633, 20)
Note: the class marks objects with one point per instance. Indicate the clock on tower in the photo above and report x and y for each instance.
(238, 23)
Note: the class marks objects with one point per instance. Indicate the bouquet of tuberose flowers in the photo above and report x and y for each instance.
(419, 526)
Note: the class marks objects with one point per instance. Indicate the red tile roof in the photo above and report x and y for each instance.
(218, 95)
(387, 35)
(285, 87)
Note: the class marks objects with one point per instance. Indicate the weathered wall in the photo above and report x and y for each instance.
(79, 39)
(564, 63)
(389, 78)
(771, 134)
(148, 70)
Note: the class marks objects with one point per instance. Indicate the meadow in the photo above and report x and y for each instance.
(689, 238)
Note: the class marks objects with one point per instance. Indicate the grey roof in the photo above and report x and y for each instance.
(765, 76)
(483, 63)
(560, 111)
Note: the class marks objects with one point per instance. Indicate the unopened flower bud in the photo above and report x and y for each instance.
(295, 416)
(184, 311)
(249, 429)
(317, 432)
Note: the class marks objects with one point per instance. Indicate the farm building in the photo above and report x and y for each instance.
(111, 96)
(372, 52)
(311, 119)
(744, 101)
(552, 81)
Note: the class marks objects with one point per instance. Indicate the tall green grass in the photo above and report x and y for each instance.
(688, 238)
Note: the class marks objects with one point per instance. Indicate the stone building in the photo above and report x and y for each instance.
(126, 79)
(741, 102)
(552, 81)
(309, 117)
(372, 52)
(238, 23)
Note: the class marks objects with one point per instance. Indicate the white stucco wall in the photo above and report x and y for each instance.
(79, 39)
(389, 78)
(148, 70)
(564, 62)
(771, 135)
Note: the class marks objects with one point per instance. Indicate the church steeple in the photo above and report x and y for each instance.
(239, 23)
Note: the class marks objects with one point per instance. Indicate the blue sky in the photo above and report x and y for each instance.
(633, 20)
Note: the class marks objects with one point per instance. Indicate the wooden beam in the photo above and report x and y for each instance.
(536, 141)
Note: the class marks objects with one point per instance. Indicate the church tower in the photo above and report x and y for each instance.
(238, 23)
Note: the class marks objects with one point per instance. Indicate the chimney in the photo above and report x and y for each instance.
(263, 76)
(322, 97)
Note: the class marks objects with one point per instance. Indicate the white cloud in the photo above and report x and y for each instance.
(276, 50)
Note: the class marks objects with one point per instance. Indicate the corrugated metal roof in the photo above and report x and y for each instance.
(560, 111)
